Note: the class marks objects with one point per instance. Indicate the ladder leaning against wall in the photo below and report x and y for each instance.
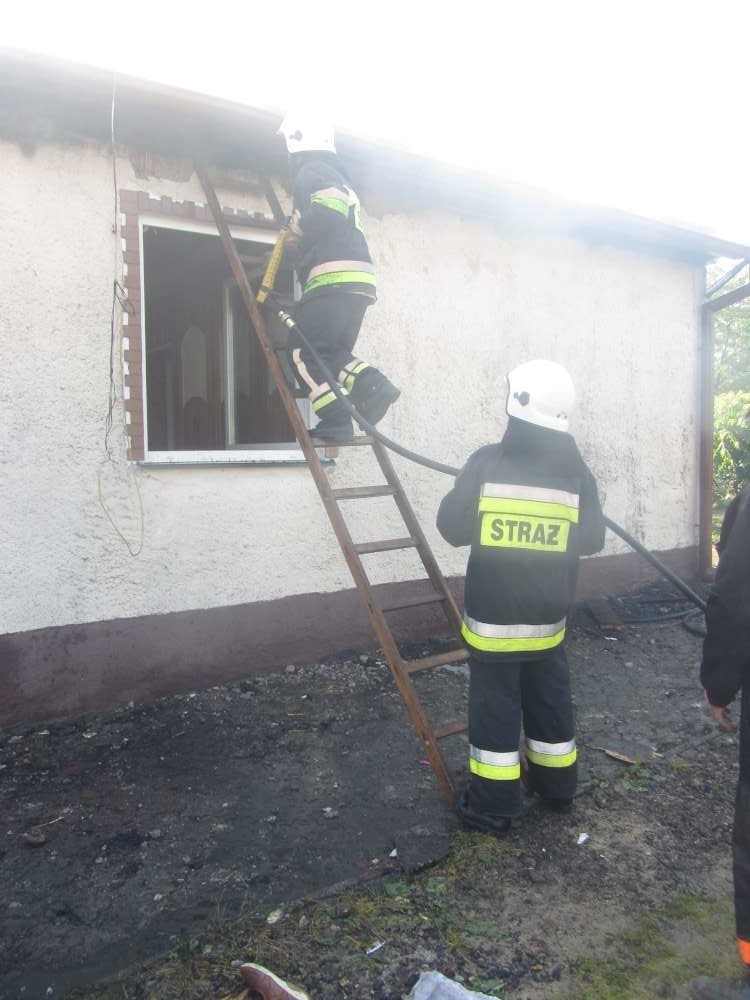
(353, 553)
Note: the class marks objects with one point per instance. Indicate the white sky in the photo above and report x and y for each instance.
(638, 105)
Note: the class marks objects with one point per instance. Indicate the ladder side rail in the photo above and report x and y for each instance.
(258, 322)
(321, 480)
(356, 567)
(423, 547)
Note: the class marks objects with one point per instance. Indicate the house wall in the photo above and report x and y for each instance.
(87, 539)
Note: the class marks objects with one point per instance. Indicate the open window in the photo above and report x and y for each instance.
(210, 396)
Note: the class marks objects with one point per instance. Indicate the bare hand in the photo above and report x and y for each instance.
(720, 715)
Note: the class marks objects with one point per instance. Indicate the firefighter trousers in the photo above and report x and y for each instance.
(503, 696)
(741, 832)
(331, 323)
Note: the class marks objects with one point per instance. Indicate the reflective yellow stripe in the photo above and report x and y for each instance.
(511, 643)
(495, 773)
(336, 204)
(528, 508)
(353, 369)
(551, 760)
(494, 765)
(339, 277)
(342, 193)
(325, 400)
(341, 200)
(331, 266)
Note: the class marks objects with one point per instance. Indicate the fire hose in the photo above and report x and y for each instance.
(266, 291)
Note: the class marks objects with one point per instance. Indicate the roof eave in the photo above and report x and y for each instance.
(245, 137)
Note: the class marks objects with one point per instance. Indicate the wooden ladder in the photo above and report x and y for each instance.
(353, 552)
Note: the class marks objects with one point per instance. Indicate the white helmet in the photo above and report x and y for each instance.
(542, 393)
(303, 133)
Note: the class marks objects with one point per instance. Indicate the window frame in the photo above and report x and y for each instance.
(187, 217)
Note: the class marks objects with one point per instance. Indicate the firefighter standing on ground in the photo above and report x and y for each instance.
(529, 508)
(724, 673)
(327, 248)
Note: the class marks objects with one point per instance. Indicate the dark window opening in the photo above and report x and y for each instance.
(208, 387)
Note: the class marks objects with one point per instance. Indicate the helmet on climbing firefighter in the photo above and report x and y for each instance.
(303, 133)
(542, 393)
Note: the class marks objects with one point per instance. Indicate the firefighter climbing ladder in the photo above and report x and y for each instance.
(354, 553)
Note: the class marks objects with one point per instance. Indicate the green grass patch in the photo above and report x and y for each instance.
(447, 910)
(690, 937)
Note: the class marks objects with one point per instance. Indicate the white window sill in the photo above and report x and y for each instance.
(260, 456)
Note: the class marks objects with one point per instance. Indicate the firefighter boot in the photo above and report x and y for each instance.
(332, 432)
(557, 805)
(335, 425)
(372, 393)
(498, 826)
(264, 984)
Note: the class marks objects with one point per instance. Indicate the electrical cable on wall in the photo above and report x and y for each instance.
(118, 297)
(112, 399)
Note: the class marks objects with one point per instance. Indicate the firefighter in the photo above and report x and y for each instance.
(724, 673)
(327, 248)
(529, 508)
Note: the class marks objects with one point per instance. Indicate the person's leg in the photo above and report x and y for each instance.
(323, 321)
(548, 728)
(741, 870)
(347, 367)
(741, 840)
(494, 727)
(371, 392)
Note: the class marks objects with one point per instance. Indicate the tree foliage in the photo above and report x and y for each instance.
(731, 444)
(732, 349)
(732, 399)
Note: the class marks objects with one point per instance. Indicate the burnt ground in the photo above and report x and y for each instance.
(167, 831)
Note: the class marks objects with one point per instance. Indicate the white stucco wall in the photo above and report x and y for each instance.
(460, 303)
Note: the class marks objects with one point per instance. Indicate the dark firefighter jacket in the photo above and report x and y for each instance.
(725, 667)
(331, 253)
(529, 508)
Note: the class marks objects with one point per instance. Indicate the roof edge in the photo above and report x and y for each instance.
(25, 70)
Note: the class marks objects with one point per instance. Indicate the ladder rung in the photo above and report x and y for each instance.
(386, 545)
(449, 729)
(440, 660)
(414, 602)
(354, 492)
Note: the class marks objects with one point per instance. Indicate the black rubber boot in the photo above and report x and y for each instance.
(372, 394)
(332, 432)
(557, 805)
(498, 826)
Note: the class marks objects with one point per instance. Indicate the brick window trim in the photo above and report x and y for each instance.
(135, 205)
